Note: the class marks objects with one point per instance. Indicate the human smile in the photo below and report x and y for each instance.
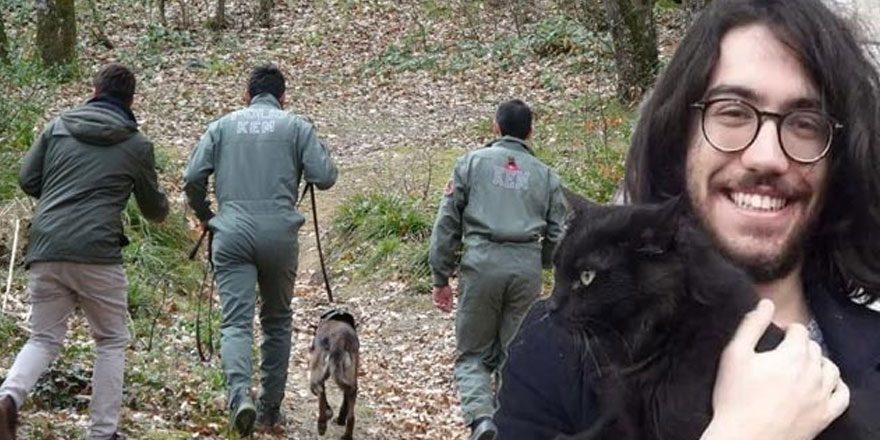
(758, 202)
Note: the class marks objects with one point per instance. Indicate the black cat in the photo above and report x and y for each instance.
(652, 305)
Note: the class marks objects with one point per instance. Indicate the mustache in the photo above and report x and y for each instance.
(749, 180)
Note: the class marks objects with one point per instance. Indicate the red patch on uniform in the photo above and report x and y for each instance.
(449, 189)
(511, 164)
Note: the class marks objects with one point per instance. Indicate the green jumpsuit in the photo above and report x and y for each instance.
(507, 208)
(258, 156)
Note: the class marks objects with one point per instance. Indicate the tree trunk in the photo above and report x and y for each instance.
(56, 31)
(264, 14)
(97, 29)
(218, 21)
(635, 45)
(162, 19)
(184, 15)
(4, 43)
(520, 16)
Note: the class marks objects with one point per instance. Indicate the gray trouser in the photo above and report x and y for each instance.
(257, 249)
(498, 284)
(100, 291)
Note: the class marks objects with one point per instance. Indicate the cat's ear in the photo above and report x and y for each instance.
(577, 205)
(669, 212)
(659, 226)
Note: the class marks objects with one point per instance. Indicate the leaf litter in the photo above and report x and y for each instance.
(336, 58)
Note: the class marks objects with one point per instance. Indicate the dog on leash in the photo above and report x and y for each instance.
(334, 353)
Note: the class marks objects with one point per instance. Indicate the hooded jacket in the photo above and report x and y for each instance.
(83, 168)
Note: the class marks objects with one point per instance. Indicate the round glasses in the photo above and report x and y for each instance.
(732, 125)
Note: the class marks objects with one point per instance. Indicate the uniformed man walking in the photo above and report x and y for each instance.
(507, 207)
(258, 156)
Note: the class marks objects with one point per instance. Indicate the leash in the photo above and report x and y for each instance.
(335, 313)
(158, 311)
(205, 354)
(309, 188)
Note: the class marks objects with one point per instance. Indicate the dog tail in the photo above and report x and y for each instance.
(345, 361)
(343, 365)
(340, 359)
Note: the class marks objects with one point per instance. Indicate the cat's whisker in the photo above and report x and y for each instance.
(614, 332)
(588, 346)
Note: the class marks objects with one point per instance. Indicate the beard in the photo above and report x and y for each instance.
(764, 267)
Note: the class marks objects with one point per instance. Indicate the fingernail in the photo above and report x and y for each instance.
(765, 303)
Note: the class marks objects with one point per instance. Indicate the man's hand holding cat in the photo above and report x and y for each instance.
(443, 298)
(789, 393)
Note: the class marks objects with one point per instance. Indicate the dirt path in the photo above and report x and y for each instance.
(406, 388)
(404, 391)
(385, 128)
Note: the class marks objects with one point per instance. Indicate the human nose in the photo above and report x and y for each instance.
(765, 154)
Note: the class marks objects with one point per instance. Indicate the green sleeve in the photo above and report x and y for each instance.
(446, 236)
(318, 166)
(150, 198)
(30, 177)
(555, 221)
(200, 166)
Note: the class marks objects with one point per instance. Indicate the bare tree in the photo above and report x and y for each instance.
(470, 9)
(218, 22)
(519, 11)
(634, 36)
(4, 43)
(162, 19)
(97, 28)
(184, 14)
(264, 13)
(56, 31)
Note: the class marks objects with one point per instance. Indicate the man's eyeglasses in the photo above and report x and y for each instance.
(732, 125)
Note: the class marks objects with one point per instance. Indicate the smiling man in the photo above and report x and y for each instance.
(767, 120)
(758, 178)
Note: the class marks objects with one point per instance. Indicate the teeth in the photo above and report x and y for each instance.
(758, 202)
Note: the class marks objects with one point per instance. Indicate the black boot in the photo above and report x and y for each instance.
(269, 417)
(8, 418)
(484, 429)
(242, 415)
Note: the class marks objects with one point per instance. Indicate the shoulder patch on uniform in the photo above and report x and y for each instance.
(449, 188)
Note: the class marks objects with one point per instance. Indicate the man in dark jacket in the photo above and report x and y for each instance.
(768, 120)
(258, 156)
(83, 168)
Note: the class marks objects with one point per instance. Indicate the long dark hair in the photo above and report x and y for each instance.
(845, 247)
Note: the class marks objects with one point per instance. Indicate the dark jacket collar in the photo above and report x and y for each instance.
(513, 143)
(113, 104)
(851, 332)
(266, 99)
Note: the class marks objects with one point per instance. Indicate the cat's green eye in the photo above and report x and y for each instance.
(587, 277)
